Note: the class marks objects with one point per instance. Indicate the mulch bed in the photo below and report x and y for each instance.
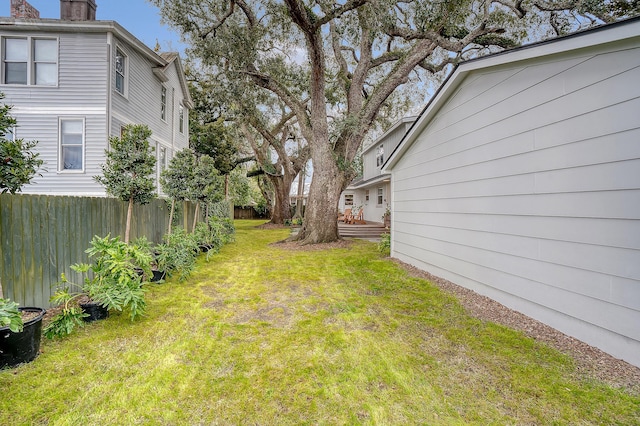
(590, 361)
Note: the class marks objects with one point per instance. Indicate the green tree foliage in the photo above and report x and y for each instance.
(208, 132)
(128, 173)
(240, 193)
(206, 186)
(339, 68)
(214, 140)
(176, 178)
(18, 164)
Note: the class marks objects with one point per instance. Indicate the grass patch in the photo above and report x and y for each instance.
(263, 335)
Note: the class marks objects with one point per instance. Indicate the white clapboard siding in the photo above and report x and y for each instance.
(142, 100)
(81, 93)
(522, 182)
(389, 141)
(86, 90)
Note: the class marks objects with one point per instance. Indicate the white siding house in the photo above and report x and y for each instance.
(372, 192)
(74, 84)
(521, 181)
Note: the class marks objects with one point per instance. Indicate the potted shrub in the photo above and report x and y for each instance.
(214, 234)
(154, 274)
(20, 333)
(177, 253)
(386, 217)
(112, 281)
(205, 238)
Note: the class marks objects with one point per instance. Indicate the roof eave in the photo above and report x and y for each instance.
(615, 32)
(56, 25)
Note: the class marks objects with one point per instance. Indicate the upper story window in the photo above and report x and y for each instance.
(71, 152)
(163, 103)
(181, 119)
(120, 68)
(30, 61)
(380, 156)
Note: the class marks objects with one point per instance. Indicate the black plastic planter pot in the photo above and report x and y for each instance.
(205, 248)
(157, 275)
(96, 312)
(16, 348)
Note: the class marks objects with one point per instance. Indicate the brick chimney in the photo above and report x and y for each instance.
(22, 9)
(78, 10)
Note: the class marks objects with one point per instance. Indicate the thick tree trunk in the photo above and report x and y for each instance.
(281, 209)
(300, 199)
(226, 187)
(320, 220)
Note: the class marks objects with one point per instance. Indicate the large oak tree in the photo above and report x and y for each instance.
(353, 56)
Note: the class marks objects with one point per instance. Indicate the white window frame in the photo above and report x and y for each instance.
(380, 197)
(163, 103)
(123, 74)
(30, 61)
(380, 156)
(10, 134)
(348, 200)
(181, 119)
(61, 168)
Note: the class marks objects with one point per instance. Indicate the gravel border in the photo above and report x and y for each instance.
(591, 362)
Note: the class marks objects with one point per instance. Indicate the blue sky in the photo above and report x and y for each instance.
(139, 17)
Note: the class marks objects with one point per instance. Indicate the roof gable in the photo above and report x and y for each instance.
(602, 35)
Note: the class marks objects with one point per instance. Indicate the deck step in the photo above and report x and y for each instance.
(368, 231)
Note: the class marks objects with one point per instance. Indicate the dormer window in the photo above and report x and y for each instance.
(380, 156)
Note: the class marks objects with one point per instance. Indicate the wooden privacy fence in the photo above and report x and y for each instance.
(42, 235)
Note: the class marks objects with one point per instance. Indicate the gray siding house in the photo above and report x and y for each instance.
(372, 192)
(74, 83)
(521, 181)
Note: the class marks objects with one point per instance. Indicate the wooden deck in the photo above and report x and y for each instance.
(371, 230)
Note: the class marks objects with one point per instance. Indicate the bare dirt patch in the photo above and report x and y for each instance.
(590, 361)
(296, 246)
(270, 225)
(280, 307)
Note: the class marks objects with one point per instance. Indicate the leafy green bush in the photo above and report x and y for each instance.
(18, 164)
(10, 316)
(384, 246)
(219, 209)
(215, 234)
(112, 281)
(177, 253)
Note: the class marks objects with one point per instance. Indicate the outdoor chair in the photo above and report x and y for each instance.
(358, 218)
(345, 217)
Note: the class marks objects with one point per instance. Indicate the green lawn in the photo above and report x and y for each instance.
(261, 335)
